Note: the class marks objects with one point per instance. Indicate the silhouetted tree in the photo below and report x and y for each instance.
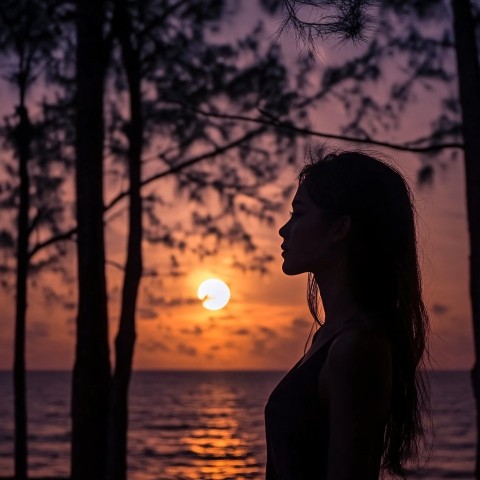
(91, 373)
(27, 39)
(171, 71)
(126, 336)
(169, 54)
(468, 69)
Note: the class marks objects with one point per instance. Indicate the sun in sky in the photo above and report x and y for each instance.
(214, 294)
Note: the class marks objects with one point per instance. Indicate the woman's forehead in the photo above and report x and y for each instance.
(301, 197)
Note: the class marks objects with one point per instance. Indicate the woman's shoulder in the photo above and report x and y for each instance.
(366, 327)
(360, 344)
(359, 355)
(359, 339)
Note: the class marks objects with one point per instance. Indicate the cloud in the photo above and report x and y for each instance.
(277, 345)
(187, 350)
(194, 331)
(152, 300)
(241, 331)
(439, 308)
(154, 346)
(71, 324)
(114, 293)
(51, 297)
(216, 320)
(300, 323)
(177, 273)
(227, 316)
(259, 347)
(147, 314)
(268, 331)
(166, 332)
(38, 330)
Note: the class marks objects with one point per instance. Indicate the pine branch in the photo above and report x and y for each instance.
(273, 121)
(174, 169)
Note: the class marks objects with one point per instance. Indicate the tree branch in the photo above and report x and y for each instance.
(35, 220)
(274, 122)
(174, 169)
(115, 264)
(346, 18)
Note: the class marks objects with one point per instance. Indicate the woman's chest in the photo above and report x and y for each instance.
(302, 392)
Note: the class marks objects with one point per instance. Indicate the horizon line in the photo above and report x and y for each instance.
(47, 370)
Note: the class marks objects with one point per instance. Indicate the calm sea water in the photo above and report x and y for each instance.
(209, 425)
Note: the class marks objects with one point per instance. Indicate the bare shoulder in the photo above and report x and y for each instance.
(359, 340)
(360, 353)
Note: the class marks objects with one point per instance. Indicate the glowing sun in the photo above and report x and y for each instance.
(214, 293)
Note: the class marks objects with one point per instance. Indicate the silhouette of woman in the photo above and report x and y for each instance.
(355, 405)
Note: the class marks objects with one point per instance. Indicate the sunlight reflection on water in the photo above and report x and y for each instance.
(209, 425)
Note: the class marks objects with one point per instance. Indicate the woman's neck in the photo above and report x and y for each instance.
(337, 299)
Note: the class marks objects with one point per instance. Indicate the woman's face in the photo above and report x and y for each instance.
(309, 243)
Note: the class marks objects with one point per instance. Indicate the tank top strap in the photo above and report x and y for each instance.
(326, 346)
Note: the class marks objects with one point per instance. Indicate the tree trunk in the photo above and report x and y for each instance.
(125, 340)
(469, 89)
(23, 137)
(91, 374)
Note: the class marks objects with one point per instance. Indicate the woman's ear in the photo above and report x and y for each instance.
(341, 228)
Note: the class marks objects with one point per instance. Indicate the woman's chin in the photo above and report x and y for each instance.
(289, 269)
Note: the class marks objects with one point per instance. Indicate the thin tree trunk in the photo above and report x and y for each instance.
(125, 340)
(91, 374)
(469, 89)
(23, 137)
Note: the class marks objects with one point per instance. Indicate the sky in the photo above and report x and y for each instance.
(266, 323)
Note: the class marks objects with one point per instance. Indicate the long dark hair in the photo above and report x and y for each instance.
(385, 278)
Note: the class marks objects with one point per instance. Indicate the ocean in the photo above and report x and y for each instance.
(209, 425)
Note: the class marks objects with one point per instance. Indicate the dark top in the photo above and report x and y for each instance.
(296, 426)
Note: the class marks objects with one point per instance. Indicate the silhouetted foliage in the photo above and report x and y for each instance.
(173, 97)
(346, 20)
(29, 196)
(405, 61)
(192, 76)
(188, 77)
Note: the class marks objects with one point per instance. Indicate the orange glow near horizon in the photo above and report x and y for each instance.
(266, 322)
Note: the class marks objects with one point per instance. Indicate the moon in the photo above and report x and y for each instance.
(214, 294)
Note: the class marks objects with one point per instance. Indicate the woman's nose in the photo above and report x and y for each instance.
(282, 229)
